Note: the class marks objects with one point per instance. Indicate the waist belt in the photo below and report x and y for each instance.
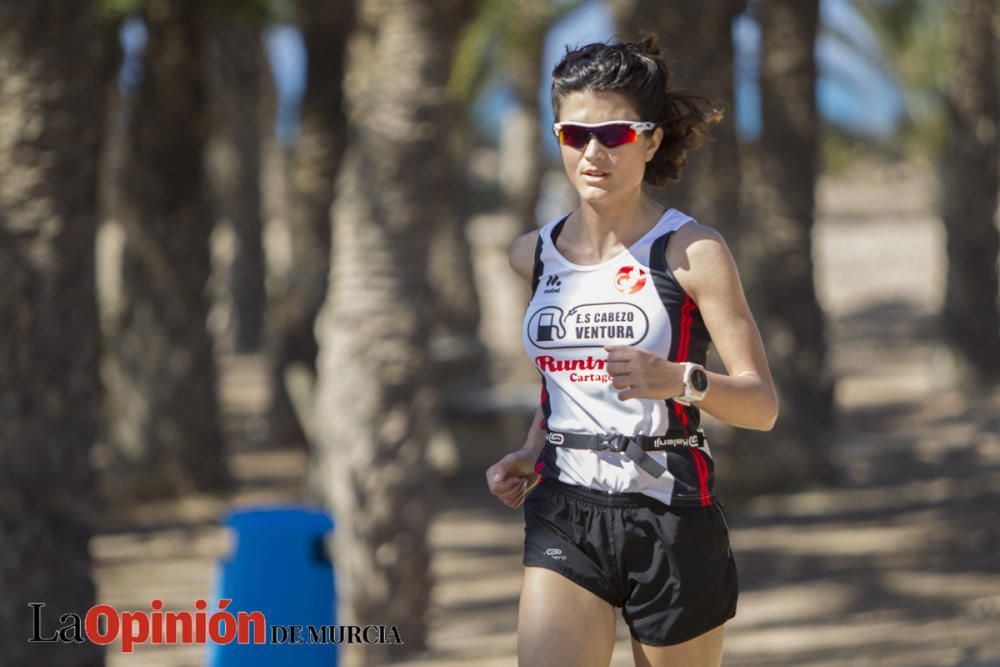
(633, 446)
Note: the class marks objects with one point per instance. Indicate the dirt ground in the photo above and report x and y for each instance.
(897, 567)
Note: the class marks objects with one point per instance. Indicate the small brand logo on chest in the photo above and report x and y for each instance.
(630, 279)
(552, 285)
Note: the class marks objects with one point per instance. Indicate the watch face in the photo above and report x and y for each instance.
(699, 380)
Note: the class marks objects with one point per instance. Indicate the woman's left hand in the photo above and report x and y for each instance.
(642, 374)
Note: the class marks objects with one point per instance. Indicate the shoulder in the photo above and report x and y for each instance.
(700, 258)
(693, 240)
(696, 237)
(522, 254)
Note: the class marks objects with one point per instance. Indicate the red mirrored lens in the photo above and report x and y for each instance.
(574, 135)
(610, 136)
(615, 135)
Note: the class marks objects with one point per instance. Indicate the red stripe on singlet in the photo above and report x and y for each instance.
(683, 343)
(544, 424)
(682, 348)
(702, 465)
(545, 399)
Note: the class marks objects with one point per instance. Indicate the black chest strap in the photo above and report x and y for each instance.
(633, 446)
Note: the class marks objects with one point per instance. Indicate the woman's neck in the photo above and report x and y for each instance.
(604, 228)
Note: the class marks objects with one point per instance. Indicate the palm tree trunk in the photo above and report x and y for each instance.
(520, 139)
(778, 252)
(970, 318)
(698, 38)
(374, 328)
(456, 302)
(236, 67)
(312, 166)
(520, 171)
(164, 432)
(50, 124)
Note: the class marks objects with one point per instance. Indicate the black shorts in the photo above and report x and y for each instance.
(670, 569)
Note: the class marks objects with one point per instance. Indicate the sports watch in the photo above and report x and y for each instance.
(695, 383)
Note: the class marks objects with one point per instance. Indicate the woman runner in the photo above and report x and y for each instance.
(615, 476)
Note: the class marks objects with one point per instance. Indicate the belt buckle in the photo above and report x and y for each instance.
(616, 442)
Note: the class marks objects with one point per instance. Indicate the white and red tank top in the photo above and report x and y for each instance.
(632, 299)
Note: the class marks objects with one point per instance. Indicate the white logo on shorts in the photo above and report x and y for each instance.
(555, 553)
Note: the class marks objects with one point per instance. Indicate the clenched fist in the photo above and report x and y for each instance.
(642, 374)
(512, 477)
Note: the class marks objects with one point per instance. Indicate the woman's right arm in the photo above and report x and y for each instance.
(514, 475)
(522, 260)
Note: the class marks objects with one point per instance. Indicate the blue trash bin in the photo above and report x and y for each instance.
(279, 566)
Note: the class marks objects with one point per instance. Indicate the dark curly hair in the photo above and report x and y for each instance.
(638, 70)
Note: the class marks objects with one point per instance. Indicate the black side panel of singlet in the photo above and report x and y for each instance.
(547, 456)
(536, 272)
(673, 297)
(674, 300)
(539, 267)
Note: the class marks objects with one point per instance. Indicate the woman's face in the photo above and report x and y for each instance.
(597, 172)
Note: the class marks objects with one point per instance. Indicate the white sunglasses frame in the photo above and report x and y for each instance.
(638, 125)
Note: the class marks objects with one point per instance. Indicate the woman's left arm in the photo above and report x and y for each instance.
(745, 397)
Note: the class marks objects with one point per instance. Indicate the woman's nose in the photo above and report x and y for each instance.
(593, 146)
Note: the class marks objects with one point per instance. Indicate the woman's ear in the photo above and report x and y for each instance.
(653, 143)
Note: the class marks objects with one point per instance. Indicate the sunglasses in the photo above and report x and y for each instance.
(611, 134)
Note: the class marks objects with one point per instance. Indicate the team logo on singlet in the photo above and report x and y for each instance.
(630, 279)
(588, 325)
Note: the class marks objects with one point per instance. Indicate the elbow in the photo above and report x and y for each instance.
(771, 413)
(765, 409)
